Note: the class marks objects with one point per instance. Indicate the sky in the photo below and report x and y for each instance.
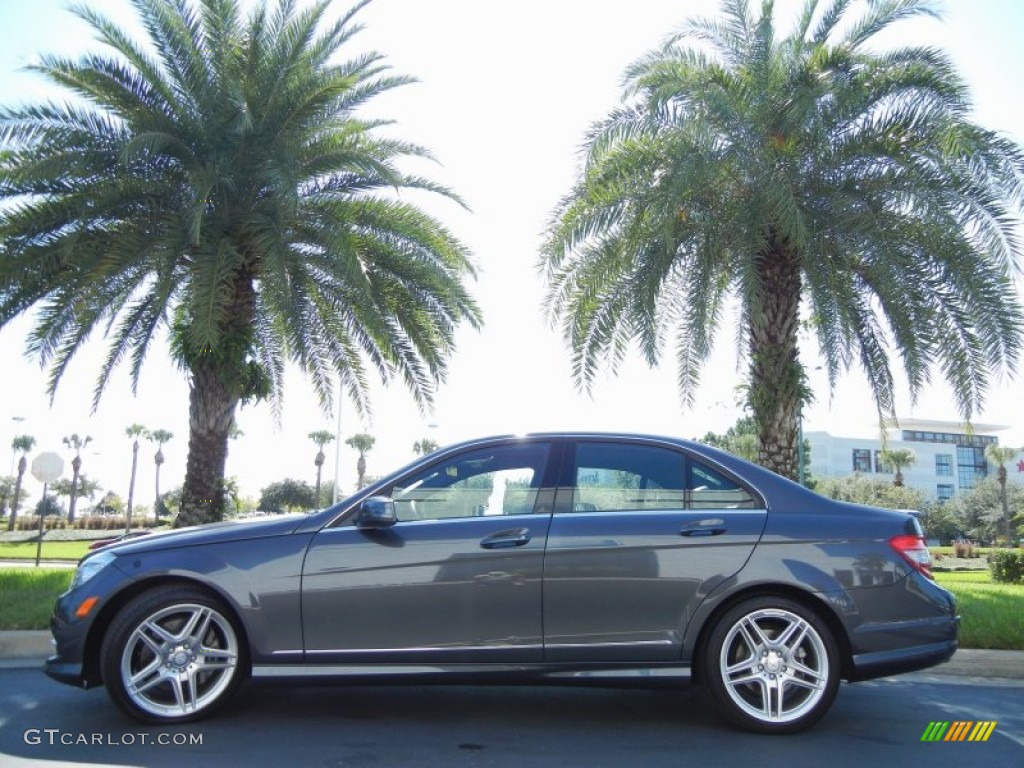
(505, 94)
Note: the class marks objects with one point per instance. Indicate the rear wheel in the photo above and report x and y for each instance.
(772, 665)
(171, 655)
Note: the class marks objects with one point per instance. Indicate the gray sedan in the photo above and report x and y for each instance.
(551, 558)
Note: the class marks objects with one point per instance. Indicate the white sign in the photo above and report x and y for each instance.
(47, 467)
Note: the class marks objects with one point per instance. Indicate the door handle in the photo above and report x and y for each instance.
(514, 537)
(710, 527)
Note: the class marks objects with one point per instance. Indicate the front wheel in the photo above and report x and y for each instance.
(772, 665)
(171, 655)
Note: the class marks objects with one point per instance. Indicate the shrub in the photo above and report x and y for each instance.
(1007, 566)
(963, 549)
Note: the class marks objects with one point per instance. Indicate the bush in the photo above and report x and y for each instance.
(964, 549)
(1007, 566)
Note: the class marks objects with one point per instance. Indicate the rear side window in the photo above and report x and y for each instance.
(709, 489)
(623, 477)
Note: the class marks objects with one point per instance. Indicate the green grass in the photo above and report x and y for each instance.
(27, 595)
(992, 615)
(52, 550)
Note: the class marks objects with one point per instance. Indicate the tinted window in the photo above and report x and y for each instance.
(619, 477)
(710, 489)
(502, 480)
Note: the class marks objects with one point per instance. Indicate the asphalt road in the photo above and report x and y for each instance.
(872, 724)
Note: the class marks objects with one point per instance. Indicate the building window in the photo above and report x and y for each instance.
(862, 460)
(879, 467)
(944, 464)
(943, 492)
(976, 441)
(970, 465)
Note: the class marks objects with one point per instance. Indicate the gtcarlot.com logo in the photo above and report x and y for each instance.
(959, 730)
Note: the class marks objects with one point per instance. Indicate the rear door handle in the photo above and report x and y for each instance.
(513, 537)
(711, 527)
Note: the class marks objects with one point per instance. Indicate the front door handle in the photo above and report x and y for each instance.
(710, 527)
(513, 537)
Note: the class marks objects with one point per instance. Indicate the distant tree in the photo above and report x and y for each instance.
(75, 488)
(233, 494)
(424, 446)
(740, 439)
(321, 437)
(161, 437)
(288, 496)
(21, 444)
(7, 493)
(870, 491)
(171, 503)
(363, 443)
(75, 443)
(895, 460)
(999, 455)
(48, 505)
(940, 521)
(981, 508)
(110, 504)
(135, 431)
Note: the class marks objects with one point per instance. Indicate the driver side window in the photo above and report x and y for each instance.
(496, 481)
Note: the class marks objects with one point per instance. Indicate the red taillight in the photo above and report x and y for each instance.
(915, 552)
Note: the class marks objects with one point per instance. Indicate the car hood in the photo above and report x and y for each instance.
(207, 534)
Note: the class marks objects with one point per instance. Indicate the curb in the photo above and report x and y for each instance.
(21, 649)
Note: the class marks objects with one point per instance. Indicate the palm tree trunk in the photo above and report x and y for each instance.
(158, 460)
(131, 486)
(22, 466)
(212, 405)
(776, 376)
(76, 466)
(1006, 507)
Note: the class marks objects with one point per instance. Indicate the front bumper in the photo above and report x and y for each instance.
(76, 661)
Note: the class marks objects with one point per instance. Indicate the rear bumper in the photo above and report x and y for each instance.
(867, 666)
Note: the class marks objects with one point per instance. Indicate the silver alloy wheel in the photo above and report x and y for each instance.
(179, 660)
(774, 665)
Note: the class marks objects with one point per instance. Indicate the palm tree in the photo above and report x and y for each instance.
(895, 460)
(803, 180)
(999, 455)
(424, 446)
(363, 443)
(214, 182)
(83, 485)
(135, 431)
(75, 443)
(21, 444)
(321, 438)
(161, 437)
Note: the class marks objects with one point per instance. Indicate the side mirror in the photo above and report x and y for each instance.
(376, 512)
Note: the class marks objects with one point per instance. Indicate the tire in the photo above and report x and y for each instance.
(771, 665)
(172, 655)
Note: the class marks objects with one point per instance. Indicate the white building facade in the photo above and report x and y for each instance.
(950, 458)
